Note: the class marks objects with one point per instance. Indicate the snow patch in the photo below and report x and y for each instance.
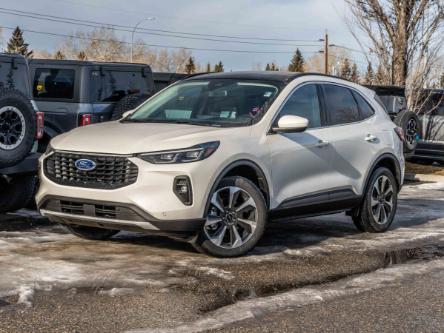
(26, 295)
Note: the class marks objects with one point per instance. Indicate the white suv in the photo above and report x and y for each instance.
(212, 157)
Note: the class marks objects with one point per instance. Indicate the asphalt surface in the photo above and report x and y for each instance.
(315, 274)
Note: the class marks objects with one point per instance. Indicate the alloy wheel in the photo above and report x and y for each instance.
(382, 200)
(232, 218)
(12, 127)
(411, 131)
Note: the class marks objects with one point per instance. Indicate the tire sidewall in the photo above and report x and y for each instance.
(376, 227)
(207, 246)
(402, 121)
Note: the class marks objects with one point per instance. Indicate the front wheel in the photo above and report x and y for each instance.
(378, 208)
(235, 220)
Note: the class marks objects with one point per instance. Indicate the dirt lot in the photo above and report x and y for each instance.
(51, 281)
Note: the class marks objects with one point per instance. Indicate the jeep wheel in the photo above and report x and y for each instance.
(91, 233)
(410, 124)
(235, 220)
(378, 208)
(17, 127)
(127, 103)
(18, 193)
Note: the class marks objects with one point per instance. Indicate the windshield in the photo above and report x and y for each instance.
(215, 102)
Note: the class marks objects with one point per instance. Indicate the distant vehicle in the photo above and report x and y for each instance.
(163, 79)
(394, 100)
(431, 146)
(210, 158)
(20, 128)
(78, 93)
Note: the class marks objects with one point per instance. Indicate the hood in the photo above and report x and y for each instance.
(131, 138)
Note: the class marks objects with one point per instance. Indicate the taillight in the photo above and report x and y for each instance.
(400, 132)
(85, 119)
(40, 128)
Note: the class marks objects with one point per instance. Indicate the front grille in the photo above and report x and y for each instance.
(111, 172)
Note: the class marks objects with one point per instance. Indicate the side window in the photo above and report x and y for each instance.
(112, 86)
(341, 105)
(366, 110)
(304, 103)
(53, 83)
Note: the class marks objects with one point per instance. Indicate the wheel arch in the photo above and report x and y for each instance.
(247, 169)
(390, 162)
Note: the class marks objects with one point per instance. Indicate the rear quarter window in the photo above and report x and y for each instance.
(53, 83)
(111, 86)
(365, 108)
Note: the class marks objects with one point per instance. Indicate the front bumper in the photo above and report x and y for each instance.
(149, 204)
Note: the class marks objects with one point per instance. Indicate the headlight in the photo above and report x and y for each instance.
(192, 154)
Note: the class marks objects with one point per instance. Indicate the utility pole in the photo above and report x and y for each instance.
(326, 51)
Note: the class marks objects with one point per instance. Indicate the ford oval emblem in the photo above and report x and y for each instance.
(85, 164)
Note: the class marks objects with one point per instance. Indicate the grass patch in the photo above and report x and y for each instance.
(424, 169)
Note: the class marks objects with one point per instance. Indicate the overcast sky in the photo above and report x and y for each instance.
(281, 19)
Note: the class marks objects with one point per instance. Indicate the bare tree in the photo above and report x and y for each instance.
(400, 32)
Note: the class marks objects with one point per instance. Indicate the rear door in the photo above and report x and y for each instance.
(353, 139)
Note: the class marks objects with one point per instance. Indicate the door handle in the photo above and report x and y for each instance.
(322, 144)
(370, 138)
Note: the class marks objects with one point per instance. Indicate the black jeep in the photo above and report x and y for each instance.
(77, 93)
(20, 127)
(394, 100)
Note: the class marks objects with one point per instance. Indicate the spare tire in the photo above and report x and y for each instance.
(17, 127)
(129, 102)
(410, 124)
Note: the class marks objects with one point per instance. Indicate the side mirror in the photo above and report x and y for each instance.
(291, 124)
(126, 114)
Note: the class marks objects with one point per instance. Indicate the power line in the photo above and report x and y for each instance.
(157, 32)
(78, 3)
(155, 45)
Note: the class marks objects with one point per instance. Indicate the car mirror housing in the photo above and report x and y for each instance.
(291, 124)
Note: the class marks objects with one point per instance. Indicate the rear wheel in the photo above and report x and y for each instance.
(127, 103)
(378, 208)
(17, 193)
(235, 220)
(91, 233)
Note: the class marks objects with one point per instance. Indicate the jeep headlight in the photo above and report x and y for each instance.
(187, 155)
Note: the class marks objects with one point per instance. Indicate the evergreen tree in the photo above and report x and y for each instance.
(190, 67)
(208, 68)
(369, 77)
(267, 68)
(345, 71)
(82, 56)
(297, 62)
(59, 55)
(16, 44)
(354, 77)
(219, 67)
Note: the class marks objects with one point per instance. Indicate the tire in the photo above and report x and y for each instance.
(129, 102)
(368, 219)
(19, 193)
(228, 233)
(91, 233)
(410, 124)
(17, 127)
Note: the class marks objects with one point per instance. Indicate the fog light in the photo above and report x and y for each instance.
(182, 189)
